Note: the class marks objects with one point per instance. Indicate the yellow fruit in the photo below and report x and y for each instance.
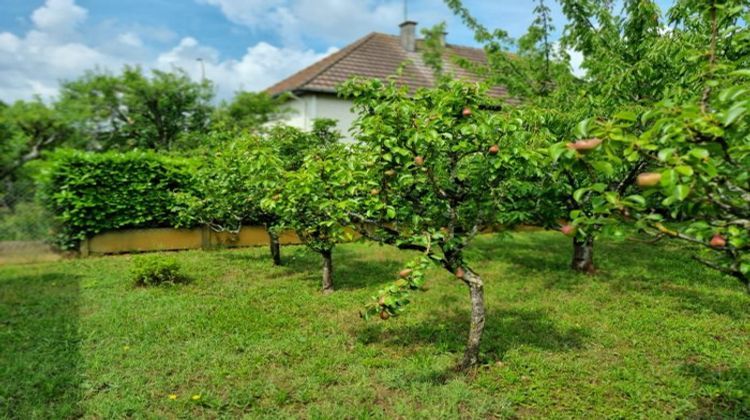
(648, 179)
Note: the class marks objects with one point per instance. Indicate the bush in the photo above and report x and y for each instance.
(155, 270)
(89, 193)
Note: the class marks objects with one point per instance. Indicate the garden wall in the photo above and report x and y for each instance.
(169, 239)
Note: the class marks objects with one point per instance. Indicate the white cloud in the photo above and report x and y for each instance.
(9, 43)
(329, 20)
(245, 12)
(260, 67)
(131, 39)
(35, 62)
(58, 16)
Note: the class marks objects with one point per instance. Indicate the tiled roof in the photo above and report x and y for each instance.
(378, 56)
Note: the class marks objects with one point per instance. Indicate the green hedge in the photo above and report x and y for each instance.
(89, 193)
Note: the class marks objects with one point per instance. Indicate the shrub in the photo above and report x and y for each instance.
(89, 193)
(155, 270)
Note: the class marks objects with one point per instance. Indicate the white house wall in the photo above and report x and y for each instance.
(308, 107)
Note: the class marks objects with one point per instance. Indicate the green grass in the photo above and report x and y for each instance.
(651, 335)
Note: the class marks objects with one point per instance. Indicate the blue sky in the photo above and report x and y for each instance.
(244, 44)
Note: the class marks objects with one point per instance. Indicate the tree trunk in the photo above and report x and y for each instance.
(476, 291)
(583, 254)
(273, 241)
(327, 271)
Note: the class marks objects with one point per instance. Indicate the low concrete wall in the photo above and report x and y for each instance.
(169, 239)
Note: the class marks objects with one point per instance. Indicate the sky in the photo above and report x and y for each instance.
(242, 44)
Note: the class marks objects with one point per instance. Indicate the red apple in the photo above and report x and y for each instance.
(466, 112)
(419, 160)
(718, 241)
(460, 273)
(384, 315)
(494, 149)
(648, 179)
(406, 272)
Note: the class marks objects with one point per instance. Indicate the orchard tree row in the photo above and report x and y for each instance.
(654, 136)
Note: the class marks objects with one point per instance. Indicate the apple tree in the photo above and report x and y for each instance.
(438, 163)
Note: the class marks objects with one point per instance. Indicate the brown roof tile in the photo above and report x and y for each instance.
(377, 56)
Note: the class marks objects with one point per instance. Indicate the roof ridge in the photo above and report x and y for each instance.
(343, 53)
(351, 48)
(375, 55)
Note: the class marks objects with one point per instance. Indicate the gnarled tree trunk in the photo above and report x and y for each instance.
(476, 292)
(273, 241)
(327, 271)
(583, 254)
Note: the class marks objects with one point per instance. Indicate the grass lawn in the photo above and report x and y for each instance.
(653, 335)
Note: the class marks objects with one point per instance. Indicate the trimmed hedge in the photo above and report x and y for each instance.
(89, 193)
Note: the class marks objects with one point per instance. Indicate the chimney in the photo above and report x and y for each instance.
(442, 38)
(408, 35)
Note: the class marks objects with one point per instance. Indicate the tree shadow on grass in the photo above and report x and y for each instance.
(40, 355)
(255, 255)
(504, 330)
(350, 270)
(663, 270)
(725, 393)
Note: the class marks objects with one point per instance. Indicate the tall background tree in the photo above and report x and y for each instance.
(27, 129)
(250, 111)
(161, 111)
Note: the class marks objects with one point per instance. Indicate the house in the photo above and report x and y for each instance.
(377, 55)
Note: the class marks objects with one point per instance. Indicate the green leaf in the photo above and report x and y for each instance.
(668, 177)
(556, 150)
(684, 170)
(604, 167)
(638, 199)
(681, 191)
(579, 193)
(733, 114)
(599, 187)
(627, 116)
(582, 128)
(665, 154)
(699, 153)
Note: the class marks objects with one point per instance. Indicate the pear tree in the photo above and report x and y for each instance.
(316, 198)
(696, 188)
(438, 164)
(628, 60)
(230, 186)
